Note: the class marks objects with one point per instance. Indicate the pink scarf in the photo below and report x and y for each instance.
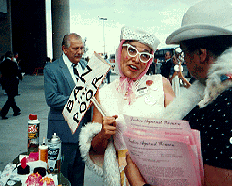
(126, 85)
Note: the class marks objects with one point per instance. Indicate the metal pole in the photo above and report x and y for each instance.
(103, 36)
(103, 19)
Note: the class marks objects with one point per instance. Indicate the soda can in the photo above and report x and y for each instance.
(54, 154)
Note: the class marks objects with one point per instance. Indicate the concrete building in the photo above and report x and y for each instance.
(23, 30)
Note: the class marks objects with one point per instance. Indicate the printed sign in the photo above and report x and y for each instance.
(85, 89)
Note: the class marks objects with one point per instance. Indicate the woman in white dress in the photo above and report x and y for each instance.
(178, 76)
(175, 79)
(134, 94)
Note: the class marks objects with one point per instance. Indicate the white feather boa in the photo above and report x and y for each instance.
(185, 102)
(181, 105)
(214, 85)
(109, 169)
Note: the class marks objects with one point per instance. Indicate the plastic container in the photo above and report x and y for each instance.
(33, 133)
(43, 152)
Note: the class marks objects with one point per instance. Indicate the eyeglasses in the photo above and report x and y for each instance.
(132, 52)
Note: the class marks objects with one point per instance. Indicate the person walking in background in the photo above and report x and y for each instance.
(10, 80)
(1, 60)
(59, 81)
(166, 65)
(207, 45)
(16, 60)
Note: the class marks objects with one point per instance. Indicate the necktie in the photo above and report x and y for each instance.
(75, 71)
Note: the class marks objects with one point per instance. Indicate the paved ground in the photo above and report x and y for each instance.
(13, 131)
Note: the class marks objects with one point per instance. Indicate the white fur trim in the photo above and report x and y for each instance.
(184, 102)
(86, 135)
(110, 170)
(214, 85)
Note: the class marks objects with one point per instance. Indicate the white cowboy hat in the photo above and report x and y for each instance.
(206, 18)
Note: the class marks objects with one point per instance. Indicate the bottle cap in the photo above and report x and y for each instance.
(43, 141)
(55, 138)
(32, 117)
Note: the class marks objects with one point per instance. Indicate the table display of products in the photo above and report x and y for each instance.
(10, 174)
(40, 165)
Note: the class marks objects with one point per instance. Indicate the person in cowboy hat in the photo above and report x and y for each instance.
(205, 37)
(134, 94)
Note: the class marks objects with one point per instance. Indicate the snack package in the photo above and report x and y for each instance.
(34, 179)
(49, 181)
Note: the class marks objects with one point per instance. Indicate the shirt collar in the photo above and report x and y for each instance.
(67, 61)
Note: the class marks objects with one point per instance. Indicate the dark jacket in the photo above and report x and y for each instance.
(166, 68)
(10, 76)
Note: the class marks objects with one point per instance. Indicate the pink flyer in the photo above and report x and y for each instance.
(166, 152)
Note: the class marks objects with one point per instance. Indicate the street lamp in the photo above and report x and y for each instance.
(103, 19)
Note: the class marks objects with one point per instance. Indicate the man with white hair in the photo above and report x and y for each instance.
(60, 78)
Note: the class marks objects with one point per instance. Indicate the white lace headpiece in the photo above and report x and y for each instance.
(149, 39)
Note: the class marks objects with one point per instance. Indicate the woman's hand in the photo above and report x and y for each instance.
(108, 126)
(132, 172)
(100, 141)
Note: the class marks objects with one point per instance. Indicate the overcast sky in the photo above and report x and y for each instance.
(160, 17)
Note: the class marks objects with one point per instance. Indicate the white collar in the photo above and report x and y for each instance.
(67, 61)
(70, 64)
